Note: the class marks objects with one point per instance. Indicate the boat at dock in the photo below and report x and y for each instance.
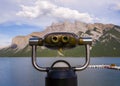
(111, 66)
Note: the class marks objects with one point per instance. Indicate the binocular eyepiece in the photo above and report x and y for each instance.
(54, 39)
(63, 39)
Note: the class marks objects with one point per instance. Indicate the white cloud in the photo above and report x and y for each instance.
(44, 12)
(65, 1)
(8, 9)
(48, 9)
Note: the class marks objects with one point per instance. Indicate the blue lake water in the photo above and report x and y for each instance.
(20, 72)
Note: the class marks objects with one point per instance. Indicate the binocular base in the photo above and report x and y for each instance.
(61, 77)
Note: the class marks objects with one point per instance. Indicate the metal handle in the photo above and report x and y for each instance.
(34, 62)
(87, 60)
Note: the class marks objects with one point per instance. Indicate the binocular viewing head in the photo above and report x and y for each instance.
(59, 40)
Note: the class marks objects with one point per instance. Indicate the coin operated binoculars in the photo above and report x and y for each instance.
(57, 74)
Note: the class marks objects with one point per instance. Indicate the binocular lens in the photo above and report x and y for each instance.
(65, 39)
(55, 39)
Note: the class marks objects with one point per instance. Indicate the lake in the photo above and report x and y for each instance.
(20, 72)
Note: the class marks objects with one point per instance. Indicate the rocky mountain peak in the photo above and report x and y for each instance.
(94, 30)
(20, 42)
(67, 27)
(37, 34)
(106, 39)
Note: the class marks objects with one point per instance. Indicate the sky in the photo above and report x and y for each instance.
(22, 17)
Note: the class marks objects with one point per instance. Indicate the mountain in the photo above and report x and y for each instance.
(106, 40)
(108, 44)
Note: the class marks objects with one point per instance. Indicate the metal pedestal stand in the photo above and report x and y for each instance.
(59, 75)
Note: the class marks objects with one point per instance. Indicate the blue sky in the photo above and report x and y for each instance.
(22, 17)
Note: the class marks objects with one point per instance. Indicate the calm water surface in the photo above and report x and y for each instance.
(20, 72)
